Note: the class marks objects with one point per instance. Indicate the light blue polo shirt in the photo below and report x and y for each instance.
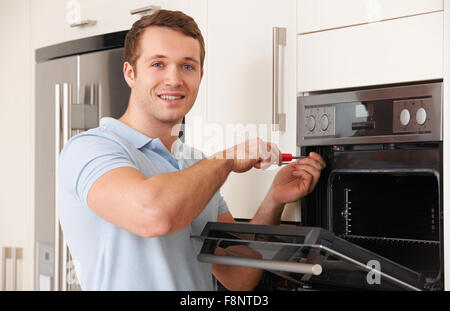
(107, 257)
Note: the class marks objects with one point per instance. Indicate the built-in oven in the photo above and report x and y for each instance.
(382, 187)
(374, 220)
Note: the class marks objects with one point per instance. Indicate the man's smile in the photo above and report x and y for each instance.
(171, 97)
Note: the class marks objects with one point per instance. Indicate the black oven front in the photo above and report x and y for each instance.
(382, 187)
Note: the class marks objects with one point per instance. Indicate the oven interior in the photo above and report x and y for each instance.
(395, 214)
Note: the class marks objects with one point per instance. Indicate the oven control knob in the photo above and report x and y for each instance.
(311, 123)
(405, 116)
(324, 122)
(421, 116)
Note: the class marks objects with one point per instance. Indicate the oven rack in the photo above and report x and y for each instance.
(389, 240)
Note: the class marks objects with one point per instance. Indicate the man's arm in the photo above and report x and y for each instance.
(243, 278)
(235, 277)
(168, 203)
(159, 205)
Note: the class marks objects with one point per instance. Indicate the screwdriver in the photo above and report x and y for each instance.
(287, 157)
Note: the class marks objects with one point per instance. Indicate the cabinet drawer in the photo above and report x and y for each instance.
(400, 50)
(315, 15)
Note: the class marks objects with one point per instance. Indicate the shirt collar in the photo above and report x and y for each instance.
(134, 137)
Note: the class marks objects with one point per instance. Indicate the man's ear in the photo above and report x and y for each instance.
(128, 73)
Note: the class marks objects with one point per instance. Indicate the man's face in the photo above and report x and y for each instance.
(167, 76)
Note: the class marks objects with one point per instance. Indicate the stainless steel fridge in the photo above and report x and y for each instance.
(77, 83)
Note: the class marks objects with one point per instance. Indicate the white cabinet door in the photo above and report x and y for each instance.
(316, 15)
(400, 50)
(51, 19)
(238, 79)
(47, 22)
(109, 16)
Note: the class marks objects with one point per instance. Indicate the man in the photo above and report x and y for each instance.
(128, 205)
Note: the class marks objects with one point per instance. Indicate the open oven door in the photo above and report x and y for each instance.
(309, 256)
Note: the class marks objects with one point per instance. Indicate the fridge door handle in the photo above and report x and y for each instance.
(58, 135)
(278, 40)
(62, 135)
(66, 105)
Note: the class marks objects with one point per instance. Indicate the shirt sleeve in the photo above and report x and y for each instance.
(223, 207)
(87, 157)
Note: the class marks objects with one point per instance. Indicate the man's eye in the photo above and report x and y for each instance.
(188, 67)
(157, 65)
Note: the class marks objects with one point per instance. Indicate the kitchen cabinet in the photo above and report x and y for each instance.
(318, 15)
(51, 19)
(238, 81)
(102, 16)
(47, 22)
(393, 51)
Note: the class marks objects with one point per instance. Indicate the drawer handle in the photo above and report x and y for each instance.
(86, 22)
(145, 9)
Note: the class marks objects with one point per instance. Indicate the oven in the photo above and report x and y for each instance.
(382, 187)
(374, 220)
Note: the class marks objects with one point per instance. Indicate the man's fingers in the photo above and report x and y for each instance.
(312, 171)
(307, 177)
(311, 162)
(276, 156)
(318, 158)
(268, 154)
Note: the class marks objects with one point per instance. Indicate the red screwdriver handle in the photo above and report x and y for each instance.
(286, 157)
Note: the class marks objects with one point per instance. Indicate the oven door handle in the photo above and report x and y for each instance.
(265, 264)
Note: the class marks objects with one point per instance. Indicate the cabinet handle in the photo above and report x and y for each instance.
(3, 270)
(86, 22)
(145, 9)
(13, 270)
(278, 119)
(14, 254)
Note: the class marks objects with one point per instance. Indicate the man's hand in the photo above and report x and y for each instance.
(297, 179)
(252, 153)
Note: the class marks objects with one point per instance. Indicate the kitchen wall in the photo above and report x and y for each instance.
(16, 124)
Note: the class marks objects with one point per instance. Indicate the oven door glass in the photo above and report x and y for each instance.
(308, 256)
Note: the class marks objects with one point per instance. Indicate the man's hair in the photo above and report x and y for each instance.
(175, 20)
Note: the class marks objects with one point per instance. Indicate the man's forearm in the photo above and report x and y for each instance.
(243, 278)
(269, 212)
(183, 195)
